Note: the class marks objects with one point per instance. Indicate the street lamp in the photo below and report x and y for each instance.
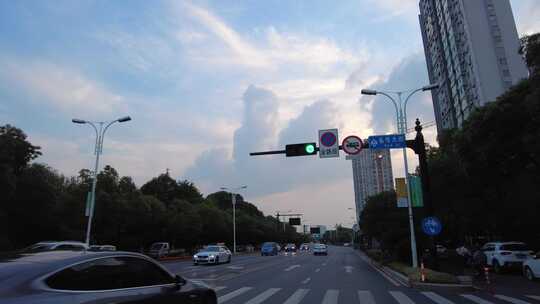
(98, 149)
(401, 119)
(233, 199)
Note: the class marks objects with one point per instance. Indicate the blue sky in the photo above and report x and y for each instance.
(206, 82)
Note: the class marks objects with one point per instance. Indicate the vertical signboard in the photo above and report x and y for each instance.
(328, 143)
(401, 193)
(416, 191)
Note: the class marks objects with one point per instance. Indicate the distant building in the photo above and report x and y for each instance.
(372, 174)
(471, 49)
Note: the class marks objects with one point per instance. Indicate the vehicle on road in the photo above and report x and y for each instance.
(304, 247)
(506, 255)
(212, 254)
(269, 248)
(159, 250)
(56, 245)
(346, 244)
(102, 248)
(290, 248)
(94, 277)
(531, 267)
(320, 249)
(442, 251)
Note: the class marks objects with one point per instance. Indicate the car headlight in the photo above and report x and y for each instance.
(212, 256)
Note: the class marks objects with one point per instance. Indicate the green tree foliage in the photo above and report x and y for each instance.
(383, 220)
(44, 205)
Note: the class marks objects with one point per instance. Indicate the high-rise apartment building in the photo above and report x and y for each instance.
(372, 174)
(471, 49)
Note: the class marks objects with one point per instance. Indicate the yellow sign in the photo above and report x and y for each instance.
(401, 187)
(401, 193)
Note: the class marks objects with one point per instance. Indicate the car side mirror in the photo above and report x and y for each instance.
(179, 281)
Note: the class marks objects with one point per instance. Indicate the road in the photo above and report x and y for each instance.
(343, 276)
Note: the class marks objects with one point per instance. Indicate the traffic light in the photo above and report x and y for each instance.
(301, 149)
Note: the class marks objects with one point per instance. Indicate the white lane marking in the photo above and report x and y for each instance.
(348, 269)
(436, 298)
(511, 300)
(365, 297)
(306, 281)
(331, 296)
(218, 288)
(317, 270)
(263, 296)
(235, 267)
(476, 299)
(291, 267)
(400, 297)
(534, 297)
(234, 294)
(297, 296)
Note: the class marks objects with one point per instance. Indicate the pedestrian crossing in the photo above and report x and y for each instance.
(250, 295)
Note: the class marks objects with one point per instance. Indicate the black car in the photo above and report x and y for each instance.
(94, 277)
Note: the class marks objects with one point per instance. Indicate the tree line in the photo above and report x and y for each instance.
(484, 176)
(39, 204)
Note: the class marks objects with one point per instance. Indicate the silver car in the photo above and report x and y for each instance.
(213, 255)
(83, 277)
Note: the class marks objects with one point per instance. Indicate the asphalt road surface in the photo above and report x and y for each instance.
(342, 277)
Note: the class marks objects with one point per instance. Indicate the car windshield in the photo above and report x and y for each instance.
(157, 246)
(265, 245)
(515, 247)
(211, 249)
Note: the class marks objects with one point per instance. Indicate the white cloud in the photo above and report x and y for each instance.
(394, 8)
(276, 49)
(63, 88)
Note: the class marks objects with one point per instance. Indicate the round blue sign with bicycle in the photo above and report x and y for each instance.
(431, 226)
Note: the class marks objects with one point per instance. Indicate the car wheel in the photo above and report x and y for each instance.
(529, 274)
(229, 260)
(496, 266)
(195, 264)
(217, 260)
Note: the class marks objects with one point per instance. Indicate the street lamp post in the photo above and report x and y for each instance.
(353, 233)
(98, 149)
(233, 199)
(401, 120)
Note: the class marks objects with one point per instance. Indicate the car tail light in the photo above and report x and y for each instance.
(505, 253)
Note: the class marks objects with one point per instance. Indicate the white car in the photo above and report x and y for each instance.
(320, 249)
(502, 255)
(55, 245)
(213, 254)
(531, 267)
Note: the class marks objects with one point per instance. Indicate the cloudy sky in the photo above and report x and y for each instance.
(207, 82)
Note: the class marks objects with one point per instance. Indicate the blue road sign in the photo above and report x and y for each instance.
(431, 226)
(393, 141)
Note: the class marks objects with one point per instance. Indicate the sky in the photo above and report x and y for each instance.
(207, 82)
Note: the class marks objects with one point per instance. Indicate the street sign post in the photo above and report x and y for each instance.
(431, 226)
(352, 145)
(393, 141)
(328, 143)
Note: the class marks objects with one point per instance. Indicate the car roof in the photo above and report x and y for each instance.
(22, 266)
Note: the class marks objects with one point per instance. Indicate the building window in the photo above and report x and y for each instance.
(506, 73)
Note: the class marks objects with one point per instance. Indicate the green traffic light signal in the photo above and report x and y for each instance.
(302, 149)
